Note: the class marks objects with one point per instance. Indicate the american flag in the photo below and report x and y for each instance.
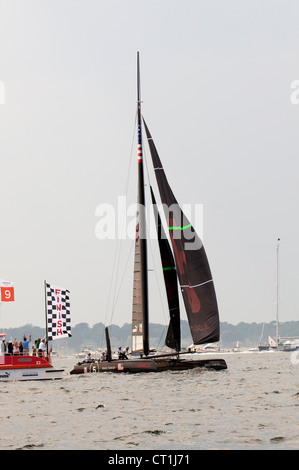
(139, 148)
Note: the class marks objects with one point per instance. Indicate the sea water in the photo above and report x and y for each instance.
(251, 405)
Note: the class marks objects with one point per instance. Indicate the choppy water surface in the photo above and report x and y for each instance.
(252, 405)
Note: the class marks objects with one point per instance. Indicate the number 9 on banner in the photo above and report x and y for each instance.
(7, 294)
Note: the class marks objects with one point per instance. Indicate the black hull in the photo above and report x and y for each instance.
(134, 366)
(264, 348)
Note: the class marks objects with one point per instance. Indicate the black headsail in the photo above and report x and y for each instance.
(173, 337)
(192, 265)
(140, 320)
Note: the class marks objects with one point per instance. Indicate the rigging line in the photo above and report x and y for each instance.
(162, 303)
(116, 260)
(123, 220)
(164, 224)
(162, 297)
(157, 281)
(131, 156)
(121, 282)
(150, 245)
(163, 219)
(271, 301)
(117, 288)
(146, 166)
(161, 342)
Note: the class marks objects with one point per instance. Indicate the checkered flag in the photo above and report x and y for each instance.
(58, 312)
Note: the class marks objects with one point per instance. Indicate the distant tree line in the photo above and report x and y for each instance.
(247, 334)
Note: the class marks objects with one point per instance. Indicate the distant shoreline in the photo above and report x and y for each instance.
(246, 334)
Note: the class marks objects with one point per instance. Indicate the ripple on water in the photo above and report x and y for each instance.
(251, 405)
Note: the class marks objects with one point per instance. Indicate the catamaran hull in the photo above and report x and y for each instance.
(149, 365)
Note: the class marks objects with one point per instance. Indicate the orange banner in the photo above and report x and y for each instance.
(7, 294)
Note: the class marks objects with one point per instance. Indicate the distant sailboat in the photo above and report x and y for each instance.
(272, 344)
(236, 348)
(188, 266)
(280, 343)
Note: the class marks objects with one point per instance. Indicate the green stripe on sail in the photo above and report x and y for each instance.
(180, 228)
(168, 268)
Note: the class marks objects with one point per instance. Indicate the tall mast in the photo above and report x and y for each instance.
(142, 222)
(277, 289)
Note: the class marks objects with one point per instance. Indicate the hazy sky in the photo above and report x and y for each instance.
(216, 88)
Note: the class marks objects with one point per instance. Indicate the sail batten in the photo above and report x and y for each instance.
(192, 265)
(197, 285)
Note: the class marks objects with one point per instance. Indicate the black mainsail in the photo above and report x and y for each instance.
(192, 265)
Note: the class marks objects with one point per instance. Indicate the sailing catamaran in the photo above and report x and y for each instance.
(186, 262)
